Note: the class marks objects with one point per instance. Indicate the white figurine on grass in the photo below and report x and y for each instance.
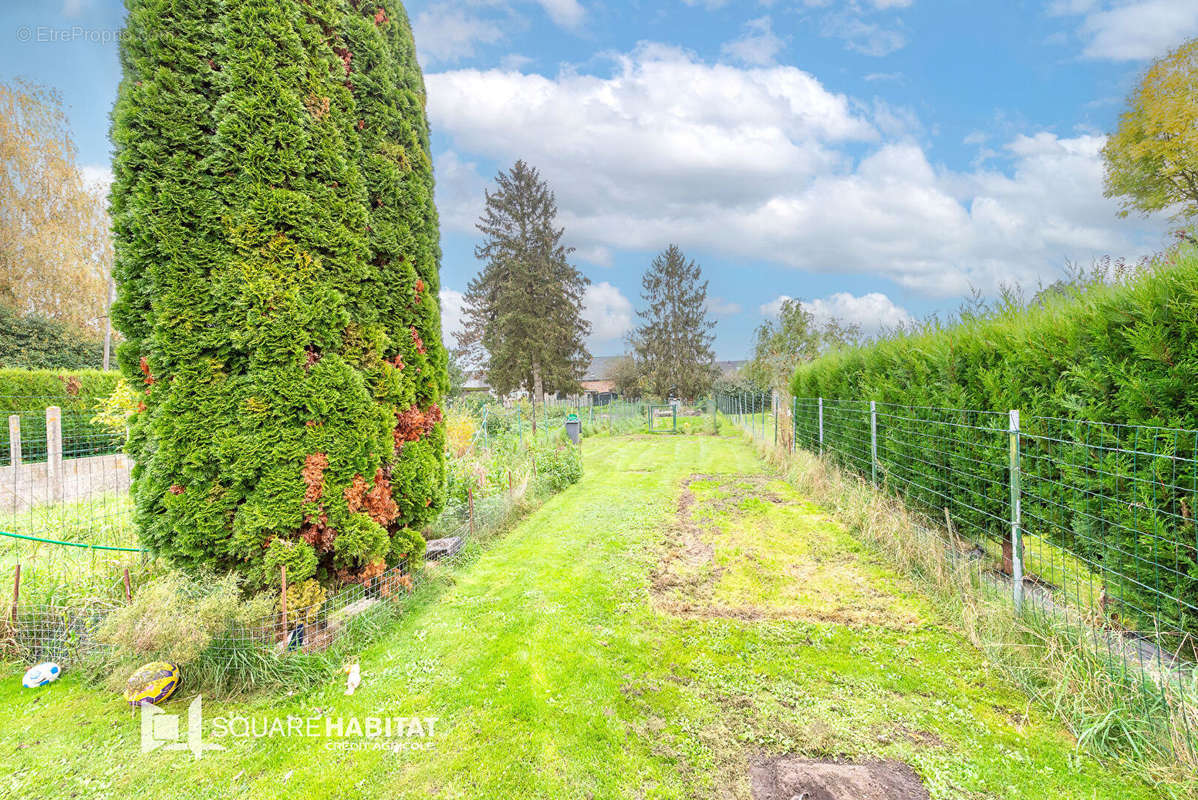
(354, 679)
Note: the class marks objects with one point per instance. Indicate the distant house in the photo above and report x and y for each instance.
(729, 368)
(595, 381)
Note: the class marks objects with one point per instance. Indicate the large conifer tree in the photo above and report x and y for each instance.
(277, 267)
(523, 312)
(673, 343)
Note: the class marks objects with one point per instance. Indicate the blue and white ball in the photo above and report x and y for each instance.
(41, 674)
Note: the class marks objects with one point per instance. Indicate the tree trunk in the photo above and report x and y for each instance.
(108, 322)
(538, 390)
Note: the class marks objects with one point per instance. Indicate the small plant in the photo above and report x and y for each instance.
(116, 411)
(304, 601)
(175, 618)
(558, 467)
(459, 432)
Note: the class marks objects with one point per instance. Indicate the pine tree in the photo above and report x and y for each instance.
(523, 312)
(277, 268)
(673, 345)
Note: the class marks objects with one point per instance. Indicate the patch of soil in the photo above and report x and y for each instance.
(791, 777)
(913, 736)
(686, 566)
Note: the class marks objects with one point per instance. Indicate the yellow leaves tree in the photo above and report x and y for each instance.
(1152, 159)
(55, 245)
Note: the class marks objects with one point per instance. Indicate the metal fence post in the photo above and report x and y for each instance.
(1016, 516)
(794, 423)
(54, 451)
(774, 407)
(873, 440)
(821, 426)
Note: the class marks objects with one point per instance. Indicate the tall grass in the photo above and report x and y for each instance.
(1112, 711)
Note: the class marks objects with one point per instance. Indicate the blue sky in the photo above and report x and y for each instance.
(875, 158)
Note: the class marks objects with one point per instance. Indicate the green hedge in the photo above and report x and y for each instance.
(32, 342)
(1120, 494)
(27, 393)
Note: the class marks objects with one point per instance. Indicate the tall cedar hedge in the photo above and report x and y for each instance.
(1124, 353)
(277, 272)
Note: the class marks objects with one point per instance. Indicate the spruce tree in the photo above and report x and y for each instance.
(523, 312)
(673, 343)
(277, 266)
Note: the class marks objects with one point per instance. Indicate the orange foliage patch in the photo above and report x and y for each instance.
(416, 340)
(355, 494)
(414, 423)
(364, 575)
(317, 533)
(380, 505)
(314, 466)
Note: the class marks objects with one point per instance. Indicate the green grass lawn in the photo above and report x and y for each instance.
(648, 633)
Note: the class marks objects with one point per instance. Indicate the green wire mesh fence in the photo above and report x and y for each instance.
(68, 632)
(1092, 525)
(69, 545)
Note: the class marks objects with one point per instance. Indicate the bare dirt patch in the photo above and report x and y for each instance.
(685, 577)
(740, 548)
(790, 777)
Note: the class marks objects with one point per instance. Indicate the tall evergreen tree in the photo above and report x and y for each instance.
(276, 272)
(673, 343)
(523, 321)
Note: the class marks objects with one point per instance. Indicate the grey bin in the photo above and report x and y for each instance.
(574, 430)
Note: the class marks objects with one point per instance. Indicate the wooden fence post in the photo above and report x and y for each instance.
(128, 591)
(14, 456)
(283, 598)
(14, 439)
(54, 452)
(16, 594)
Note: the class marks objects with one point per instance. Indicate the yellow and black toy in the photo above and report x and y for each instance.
(152, 683)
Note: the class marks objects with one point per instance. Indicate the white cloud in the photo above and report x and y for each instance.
(72, 8)
(663, 132)
(452, 309)
(758, 45)
(873, 312)
(594, 254)
(774, 307)
(884, 76)
(765, 164)
(867, 38)
(97, 175)
(445, 34)
(721, 307)
(608, 311)
(567, 13)
(459, 191)
(1131, 30)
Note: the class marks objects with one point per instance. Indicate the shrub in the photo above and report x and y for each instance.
(175, 618)
(558, 466)
(277, 267)
(32, 342)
